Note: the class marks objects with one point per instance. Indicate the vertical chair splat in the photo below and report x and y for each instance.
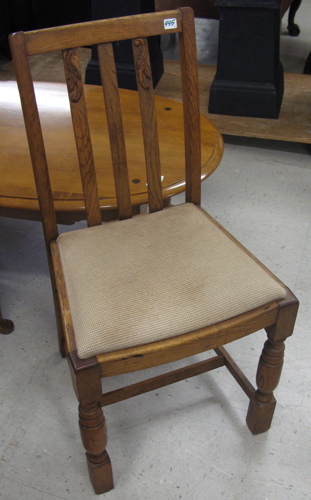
(191, 103)
(82, 135)
(115, 127)
(149, 122)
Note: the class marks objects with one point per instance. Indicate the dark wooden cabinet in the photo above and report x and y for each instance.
(26, 15)
(16, 15)
(249, 78)
(103, 9)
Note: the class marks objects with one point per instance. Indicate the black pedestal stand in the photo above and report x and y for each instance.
(250, 78)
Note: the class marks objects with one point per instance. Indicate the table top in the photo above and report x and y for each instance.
(17, 188)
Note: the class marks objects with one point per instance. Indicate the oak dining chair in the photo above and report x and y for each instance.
(154, 288)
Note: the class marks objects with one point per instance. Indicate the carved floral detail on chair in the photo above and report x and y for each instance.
(143, 64)
(73, 74)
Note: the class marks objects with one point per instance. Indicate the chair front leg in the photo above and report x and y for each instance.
(262, 404)
(87, 384)
(94, 438)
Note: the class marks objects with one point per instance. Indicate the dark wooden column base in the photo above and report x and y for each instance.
(250, 78)
(257, 100)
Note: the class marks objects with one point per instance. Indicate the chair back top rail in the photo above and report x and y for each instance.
(103, 33)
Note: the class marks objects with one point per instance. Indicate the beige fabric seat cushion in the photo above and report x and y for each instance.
(156, 276)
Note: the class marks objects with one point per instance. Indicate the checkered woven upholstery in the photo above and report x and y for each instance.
(156, 276)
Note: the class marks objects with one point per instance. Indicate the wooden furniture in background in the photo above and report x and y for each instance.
(209, 9)
(250, 78)
(151, 289)
(201, 8)
(293, 124)
(18, 196)
(293, 6)
(123, 49)
(6, 325)
(25, 15)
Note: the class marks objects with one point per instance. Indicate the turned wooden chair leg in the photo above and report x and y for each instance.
(262, 404)
(6, 325)
(87, 385)
(94, 438)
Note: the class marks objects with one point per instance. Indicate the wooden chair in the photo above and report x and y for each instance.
(151, 289)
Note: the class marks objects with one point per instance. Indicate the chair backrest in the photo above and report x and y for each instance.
(102, 33)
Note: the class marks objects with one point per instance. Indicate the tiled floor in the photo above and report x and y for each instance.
(189, 440)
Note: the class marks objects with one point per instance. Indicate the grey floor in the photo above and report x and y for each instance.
(188, 440)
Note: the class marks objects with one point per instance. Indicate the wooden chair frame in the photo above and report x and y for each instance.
(277, 317)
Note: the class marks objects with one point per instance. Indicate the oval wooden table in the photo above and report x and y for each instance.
(17, 189)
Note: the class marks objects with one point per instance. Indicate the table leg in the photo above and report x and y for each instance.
(293, 28)
(307, 68)
(6, 325)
